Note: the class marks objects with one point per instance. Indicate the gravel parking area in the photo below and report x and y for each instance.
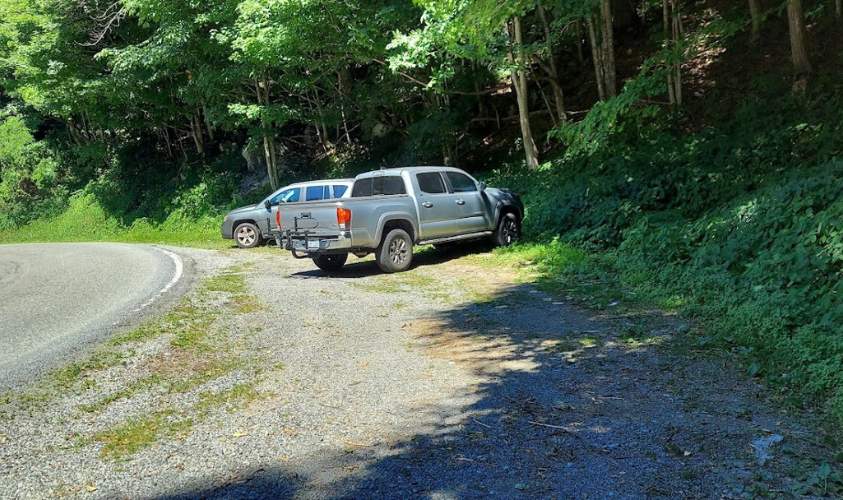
(273, 380)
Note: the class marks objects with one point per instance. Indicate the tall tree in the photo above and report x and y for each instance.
(550, 68)
(673, 34)
(519, 82)
(798, 43)
(600, 25)
(487, 31)
(755, 17)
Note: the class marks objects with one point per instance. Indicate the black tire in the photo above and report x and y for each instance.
(330, 262)
(395, 253)
(247, 235)
(508, 230)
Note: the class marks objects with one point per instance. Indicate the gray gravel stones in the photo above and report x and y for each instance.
(410, 385)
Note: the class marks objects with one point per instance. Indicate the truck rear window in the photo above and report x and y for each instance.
(380, 185)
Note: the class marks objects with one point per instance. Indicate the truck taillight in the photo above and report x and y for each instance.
(278, 219)
(344, 218)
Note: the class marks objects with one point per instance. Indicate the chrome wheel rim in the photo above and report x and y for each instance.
(246, 235)
(509, 231)
(398, 251)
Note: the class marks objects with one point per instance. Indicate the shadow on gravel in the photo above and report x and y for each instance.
(556, 404)
(427, 257)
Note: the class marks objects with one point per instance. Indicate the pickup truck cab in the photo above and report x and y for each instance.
(392, 210)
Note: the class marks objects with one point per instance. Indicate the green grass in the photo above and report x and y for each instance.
(227, 282)
(140, 432)
(132, 436)
(86, 220)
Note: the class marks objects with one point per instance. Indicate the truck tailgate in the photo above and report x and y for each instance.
(318, 218)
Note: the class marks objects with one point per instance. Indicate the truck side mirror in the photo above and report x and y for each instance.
(267, 204)
(481, 185)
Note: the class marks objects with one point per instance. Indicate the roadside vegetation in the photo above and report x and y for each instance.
(671, 153)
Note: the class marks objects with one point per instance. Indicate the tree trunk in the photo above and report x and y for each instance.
(166, 134)
(608, 48)
(580, 56)
(838, 9)
(268, 141)
(673, 35)
(196, 132)
(596, 57)
(321, 128)
(553, 72)
(798, 47)
(519, 81)
(341, 77)
(755, 15)
(269, 155)
(208, 125)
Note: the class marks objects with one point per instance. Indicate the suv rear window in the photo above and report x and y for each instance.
(374, 186)
(431, 182)
(339, 190)
(315, 193)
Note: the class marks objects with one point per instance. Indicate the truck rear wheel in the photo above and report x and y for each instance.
(331, 261)
(395, 252)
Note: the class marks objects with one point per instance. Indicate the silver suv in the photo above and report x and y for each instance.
(249, 226)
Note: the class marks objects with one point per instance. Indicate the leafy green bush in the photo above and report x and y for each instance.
(28, 173)
(739, 226)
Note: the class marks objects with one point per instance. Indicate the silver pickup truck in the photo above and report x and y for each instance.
(392, 210)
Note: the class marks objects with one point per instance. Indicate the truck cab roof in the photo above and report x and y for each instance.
(401, 170)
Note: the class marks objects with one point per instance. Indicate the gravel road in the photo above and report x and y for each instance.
(452, 380)
(55, 299)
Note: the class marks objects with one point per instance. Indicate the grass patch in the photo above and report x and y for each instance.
(125, 393)
(232, 399)
(227, 282)
(398, 282)
(132, 436)
(141, 432)
(245, 304)
(86, 220)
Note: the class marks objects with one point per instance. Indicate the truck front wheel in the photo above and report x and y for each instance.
(395, 252)
(508, 231)
(330, 262)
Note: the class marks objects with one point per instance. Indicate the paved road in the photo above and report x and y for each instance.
(55, 299)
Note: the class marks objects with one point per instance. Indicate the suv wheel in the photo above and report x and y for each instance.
(395, 252)
(330, 262)
(247, 235)
(509, 230)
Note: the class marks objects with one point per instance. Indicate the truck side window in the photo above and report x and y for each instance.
(339, 190)
(362, 187)
(389, 184)
(375, 186)
(461, 183)
(430, 182)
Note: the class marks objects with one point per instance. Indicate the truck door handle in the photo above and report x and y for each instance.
(460, 202)
(427, 204)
